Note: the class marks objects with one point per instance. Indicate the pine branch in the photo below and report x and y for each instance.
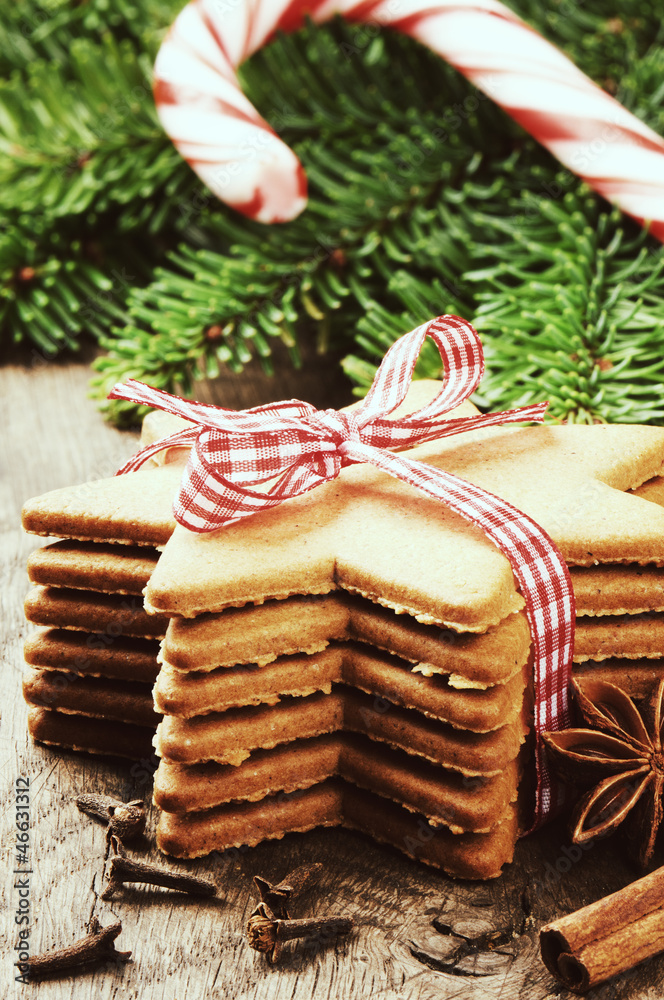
(86, 139)
(31, 30)
(568, 306)
(57, 284)
(573, 315)
(83, 160)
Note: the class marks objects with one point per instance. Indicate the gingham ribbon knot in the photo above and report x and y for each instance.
(244, 462)
(340, 427)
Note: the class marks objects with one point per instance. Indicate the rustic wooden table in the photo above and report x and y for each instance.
(418, 935)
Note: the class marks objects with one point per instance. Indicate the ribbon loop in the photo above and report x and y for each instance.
(463, 361)
(245, 462)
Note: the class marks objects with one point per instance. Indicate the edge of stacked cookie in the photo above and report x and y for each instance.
(94, 659)
(349, 718)
(620, 618)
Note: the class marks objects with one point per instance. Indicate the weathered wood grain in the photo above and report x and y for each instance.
(418, 935)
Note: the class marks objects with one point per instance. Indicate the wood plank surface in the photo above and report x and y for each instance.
(418, 934)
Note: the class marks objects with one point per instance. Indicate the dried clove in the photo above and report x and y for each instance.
(270, 925)
(97, 946)
(267, 933)
(278, 896)
(125, 820)
(124, 869)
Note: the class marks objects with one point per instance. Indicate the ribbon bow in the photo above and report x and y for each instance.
(247, 461)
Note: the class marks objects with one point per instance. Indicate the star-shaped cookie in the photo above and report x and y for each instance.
(373, 535)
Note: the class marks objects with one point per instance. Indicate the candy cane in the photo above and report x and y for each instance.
(236, 153)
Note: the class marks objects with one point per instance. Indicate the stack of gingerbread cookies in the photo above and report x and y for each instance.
(265, 732)
(353, 713)
(359, 655)
(93, 661)
(620, 623)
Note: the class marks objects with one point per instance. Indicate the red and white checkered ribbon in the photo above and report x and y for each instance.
(241, 159)
(242, 462)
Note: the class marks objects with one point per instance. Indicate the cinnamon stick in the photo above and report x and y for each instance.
(608, 937)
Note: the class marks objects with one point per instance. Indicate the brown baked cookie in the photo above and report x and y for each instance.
(331, 803)
(113, 569)
(652, 490)
(370, 534)
(445, 797)
(631, 636)
(114, 615)
(318, 735)
(134, 509)
(618, 590)
(362, 667)
(261, 633)
(636, 677)
(229, 737)
(95, 697)
(98, 736)
(93, 654)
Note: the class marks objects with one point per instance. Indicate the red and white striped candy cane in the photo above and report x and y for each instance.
(236, 153)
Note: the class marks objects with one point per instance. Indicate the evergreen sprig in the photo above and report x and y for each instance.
(570, 313)
(36, 30)
(586, 330)
(424, 198)
(84, 164)
(87, 139)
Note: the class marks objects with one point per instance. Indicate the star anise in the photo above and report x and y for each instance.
(623, 751)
